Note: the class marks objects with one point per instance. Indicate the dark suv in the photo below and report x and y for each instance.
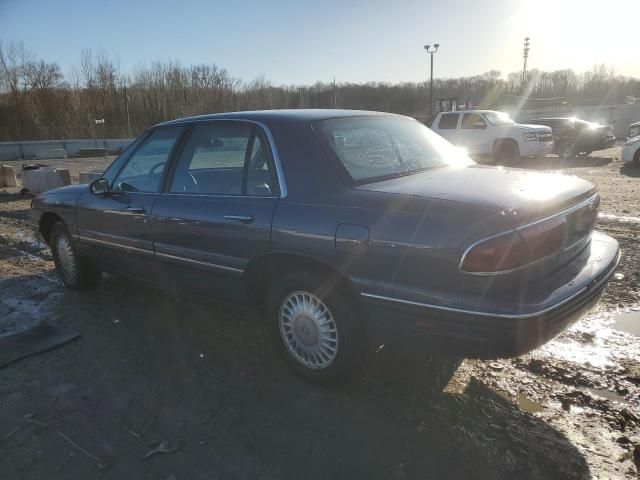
(572, 136)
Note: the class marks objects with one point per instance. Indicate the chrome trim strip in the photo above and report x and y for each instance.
(114, 245)
(564, 212)
(201, 263)
(611, 269)
(474, 312)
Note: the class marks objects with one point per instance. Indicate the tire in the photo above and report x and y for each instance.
(565, 150)
(506, 153)
(315, 328)
(75, 271)
(636, 159)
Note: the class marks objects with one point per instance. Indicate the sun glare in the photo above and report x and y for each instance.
(578, 34)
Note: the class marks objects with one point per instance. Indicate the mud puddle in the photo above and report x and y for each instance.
(628, 322)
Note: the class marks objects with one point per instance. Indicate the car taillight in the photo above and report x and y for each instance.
(544, 238)
(496, 254)
(515, 249)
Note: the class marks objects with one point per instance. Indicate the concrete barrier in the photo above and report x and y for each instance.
(44, 178)
(8, 176)
(33, 150)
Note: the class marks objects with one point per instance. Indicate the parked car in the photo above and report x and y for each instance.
(341, 223)
(634, 130)
(487, 133)
(630, 152)
(572, 136)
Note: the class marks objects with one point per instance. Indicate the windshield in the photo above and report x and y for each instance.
(498, 118)
(374, 148)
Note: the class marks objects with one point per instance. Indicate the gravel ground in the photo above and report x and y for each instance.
(140, 374)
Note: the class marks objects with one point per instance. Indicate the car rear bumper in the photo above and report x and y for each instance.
(486, 334)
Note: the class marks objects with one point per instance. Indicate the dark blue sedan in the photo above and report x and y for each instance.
(342, 224)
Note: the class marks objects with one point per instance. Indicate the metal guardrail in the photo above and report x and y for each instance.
(41, 149)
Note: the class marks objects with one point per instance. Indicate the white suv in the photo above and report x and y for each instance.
(491, 133)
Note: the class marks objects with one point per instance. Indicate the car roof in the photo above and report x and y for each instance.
(268, 116)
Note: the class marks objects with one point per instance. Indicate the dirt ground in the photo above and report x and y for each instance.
(153, 367)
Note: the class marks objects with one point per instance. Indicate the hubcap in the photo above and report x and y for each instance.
(308, 330)
(66, 258)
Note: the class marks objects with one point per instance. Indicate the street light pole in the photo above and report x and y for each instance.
(431, 51)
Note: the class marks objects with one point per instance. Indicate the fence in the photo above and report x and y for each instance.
(40, 149)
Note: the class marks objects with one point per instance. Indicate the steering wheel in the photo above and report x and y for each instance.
(155, 167)
(195, 182)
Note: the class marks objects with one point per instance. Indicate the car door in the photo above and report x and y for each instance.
(448, 126)
(215, 213)
(473, 135)
(115, 227)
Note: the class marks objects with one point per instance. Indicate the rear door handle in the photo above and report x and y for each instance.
(135, 209)
(240, 218)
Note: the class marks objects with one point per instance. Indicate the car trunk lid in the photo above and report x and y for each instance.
(521, 194)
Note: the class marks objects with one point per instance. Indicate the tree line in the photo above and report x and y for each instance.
(37, 101)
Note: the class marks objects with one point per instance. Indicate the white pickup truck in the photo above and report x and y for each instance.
(494, 134)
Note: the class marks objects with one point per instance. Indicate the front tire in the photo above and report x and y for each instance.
(315, 327)
(74, 271)
(506, 153)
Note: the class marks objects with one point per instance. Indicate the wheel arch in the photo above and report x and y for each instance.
(260, 272)
(498, 142)
(45, 225)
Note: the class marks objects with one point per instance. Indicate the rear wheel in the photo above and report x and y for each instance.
(506, 153)
(636, 159)
(315, 327)
(74, 271)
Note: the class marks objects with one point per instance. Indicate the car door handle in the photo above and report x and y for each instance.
(135, 209)
(240, 218)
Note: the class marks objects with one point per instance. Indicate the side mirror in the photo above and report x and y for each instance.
(99, 186)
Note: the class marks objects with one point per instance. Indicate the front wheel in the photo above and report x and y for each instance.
(506, 153)
(74, 271)
(315, 327)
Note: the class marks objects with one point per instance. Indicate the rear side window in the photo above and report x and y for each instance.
(448, 121)
(224, 159)
(212, 160)
(473, 121)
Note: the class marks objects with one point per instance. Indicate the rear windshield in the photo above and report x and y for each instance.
(375, 148)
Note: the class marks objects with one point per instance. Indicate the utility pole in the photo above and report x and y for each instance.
(335, 94)
(525, 55)
(431, 51)
(126, 100)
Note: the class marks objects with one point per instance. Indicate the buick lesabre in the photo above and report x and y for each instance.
(340, 223)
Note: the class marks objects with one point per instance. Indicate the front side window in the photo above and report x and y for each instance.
(448, 121)
(374, 148)
(143, 172)
(215, 158)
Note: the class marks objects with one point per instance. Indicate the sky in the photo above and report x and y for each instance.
(301, 41)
